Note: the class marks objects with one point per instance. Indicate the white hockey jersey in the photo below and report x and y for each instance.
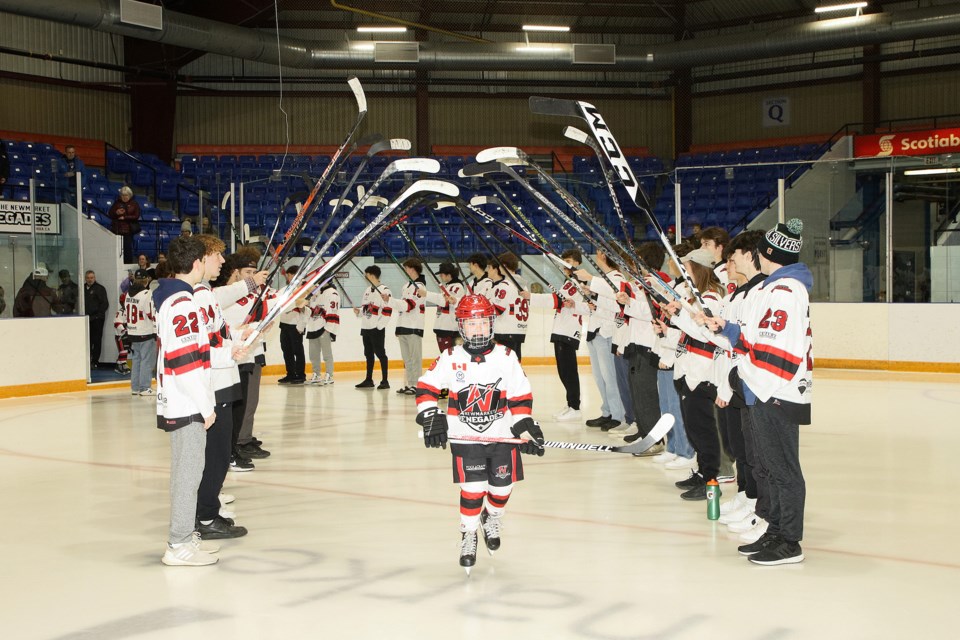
(567, 321)
(695, 357)
(776, 340)
(608, 316)
(481, 286)
(410, 309)
(141, 318)
(237, 303)
(513, 312)
(489, 392)
(184, 390)
(374, 312)
(225, 375)
(446, 322)
(324, 307)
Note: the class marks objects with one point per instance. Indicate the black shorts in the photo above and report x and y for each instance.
(499, 464)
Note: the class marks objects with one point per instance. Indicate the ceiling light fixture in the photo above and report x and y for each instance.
(538, 48)
(381, 29)
(859, 6)
(545, 27)
(930, 172)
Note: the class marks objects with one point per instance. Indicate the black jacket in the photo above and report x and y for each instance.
(95, 300)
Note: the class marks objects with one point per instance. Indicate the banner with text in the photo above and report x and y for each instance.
(16, 217)
(910, 143)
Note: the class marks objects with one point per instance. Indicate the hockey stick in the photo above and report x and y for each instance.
(290, 293)
(480, 218)
(335, 162)
(611, 150)
(444, 204)
(657, 433)
(460, 204)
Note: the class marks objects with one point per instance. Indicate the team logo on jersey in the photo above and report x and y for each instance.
(503, 471)
(480, 405)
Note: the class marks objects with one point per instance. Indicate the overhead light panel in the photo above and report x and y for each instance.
(545, 27)
(848, 6)
(930, 172)
(540, 48)
(381, 29)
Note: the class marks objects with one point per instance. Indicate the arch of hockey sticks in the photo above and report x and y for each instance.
(428, 195)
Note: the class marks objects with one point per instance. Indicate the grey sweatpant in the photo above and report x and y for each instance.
(187, 447)
(411, 350)
(778, 446)
(253, 399)
(322, 346)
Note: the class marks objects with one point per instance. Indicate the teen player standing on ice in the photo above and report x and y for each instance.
(776, 369)
(489, 396)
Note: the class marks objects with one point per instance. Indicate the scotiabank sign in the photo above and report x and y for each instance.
(911, 143)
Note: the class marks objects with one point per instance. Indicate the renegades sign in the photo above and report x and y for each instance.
(909, 143)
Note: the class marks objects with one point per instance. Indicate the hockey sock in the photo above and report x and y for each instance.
(471, 503)
(497, 500)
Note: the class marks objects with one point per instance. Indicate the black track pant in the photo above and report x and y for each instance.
(566, 355)
(373, 347)
(701, 425)
(216, 462)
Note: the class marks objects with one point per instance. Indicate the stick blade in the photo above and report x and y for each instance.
(498, 153)
(554, 107)
(663, 426)
(480, 168)
(358, 93)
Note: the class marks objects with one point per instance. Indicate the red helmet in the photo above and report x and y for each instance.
(474, 306)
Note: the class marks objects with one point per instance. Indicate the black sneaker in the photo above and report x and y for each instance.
(239, 463)
(220, 529)
(699, 492)
(610, 424)
(693, 481)
(251, 450)
(382, 385)
(402, 390)
(411, 391)
(759, 545)
(298, 380)
(780, 552)
(366, 384)
(599, 422)
(284, 380)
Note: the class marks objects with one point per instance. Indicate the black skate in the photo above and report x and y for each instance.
(468, 550)
(490, 526)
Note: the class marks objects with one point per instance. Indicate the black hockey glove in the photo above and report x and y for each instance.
(534, 446)
(434, 423)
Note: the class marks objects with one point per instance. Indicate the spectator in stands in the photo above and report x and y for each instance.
(95, 306)
(125, 214)
(4, 172)
(68, 166)
(143, 263)
(35, 299)
(186, 229)
(68, 294)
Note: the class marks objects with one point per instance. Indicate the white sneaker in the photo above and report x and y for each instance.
(665, 457)
(148, 392)
(726, 479)
(187, 554)
(205, 545)
(571, 415)
(748, 522)
(734, 504)
(681, 463)
(224, 513)
(314, 379)
(736, 515)
(752, 535)
(327, 379)
(624, 429)
(226, 498)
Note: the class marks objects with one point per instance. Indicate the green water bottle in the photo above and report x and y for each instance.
(713, 500)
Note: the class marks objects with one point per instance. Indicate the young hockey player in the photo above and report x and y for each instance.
(569, 307)
(512, 310)
(445, 326)
(322, 330)
(776, 371)
(481, 283)
(185, 401)
(373, 326)
(142, 332)
(410, 318)
(293, 323)
(490, 397)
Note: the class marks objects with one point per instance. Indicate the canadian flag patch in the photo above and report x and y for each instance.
(459, 366)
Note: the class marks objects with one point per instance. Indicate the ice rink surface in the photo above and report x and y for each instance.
(354, 528)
